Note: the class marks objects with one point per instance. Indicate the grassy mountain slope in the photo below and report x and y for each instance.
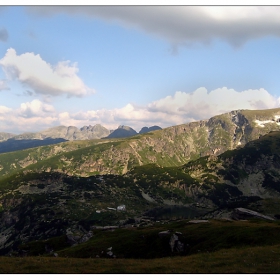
(213, 247)
(173, 146)
(40, 205)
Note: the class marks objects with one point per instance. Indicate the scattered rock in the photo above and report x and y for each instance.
(198, 221)
(164, 233)
(110, 253)
(96, 227)
(78, 238)
(86, 237)
(121, 208)
(110, 227)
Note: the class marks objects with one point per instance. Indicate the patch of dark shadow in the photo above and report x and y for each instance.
(174, 212)
(15, 145)
(221, 194)
(242, 201)
(40, 186)
(269, 182)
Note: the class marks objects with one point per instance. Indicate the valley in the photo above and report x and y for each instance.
(220, 171)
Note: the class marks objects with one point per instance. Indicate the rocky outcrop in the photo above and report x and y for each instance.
(175, 244)
(243, 214)
(75, 239)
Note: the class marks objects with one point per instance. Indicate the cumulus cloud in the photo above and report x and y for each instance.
(43, 78)
(172, 110)
(184, 24)
(3, 35)
(202, 104)
(35, 108)
(4, 110)
(177, 109)
(30, 116)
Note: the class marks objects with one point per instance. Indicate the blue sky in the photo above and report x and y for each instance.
(134, 65)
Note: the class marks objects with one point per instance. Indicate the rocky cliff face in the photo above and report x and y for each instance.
(245, 175)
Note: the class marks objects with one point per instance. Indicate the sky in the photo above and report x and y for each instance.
(134, 65)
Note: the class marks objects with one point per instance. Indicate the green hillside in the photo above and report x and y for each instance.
(174, 173)
(173, 146)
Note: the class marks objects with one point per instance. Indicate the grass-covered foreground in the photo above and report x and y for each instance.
(264, 259)
(213, 247)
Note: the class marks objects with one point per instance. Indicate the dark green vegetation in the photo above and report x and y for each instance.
(146, 242)
(213, 247)
(79, 198)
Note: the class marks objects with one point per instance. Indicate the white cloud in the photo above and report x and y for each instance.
(35, 108)
(184, 24)
(4, 110)
(177, 109)
(172, 110)
(3, 85)
(43, 78)
(201, 105)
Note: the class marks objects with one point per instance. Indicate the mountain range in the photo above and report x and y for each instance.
(203, 169)
(10, 142)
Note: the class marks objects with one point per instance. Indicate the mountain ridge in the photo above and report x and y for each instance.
(171, 146)
(71, 133)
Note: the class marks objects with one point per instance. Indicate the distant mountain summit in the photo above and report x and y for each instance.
(146, 129)
(126, 131)
(5, 136)
(122, 131)
(11, 142)
(64, 132)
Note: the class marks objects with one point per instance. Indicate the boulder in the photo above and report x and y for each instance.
(176, 244)
(110, 253)
(172, 242)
